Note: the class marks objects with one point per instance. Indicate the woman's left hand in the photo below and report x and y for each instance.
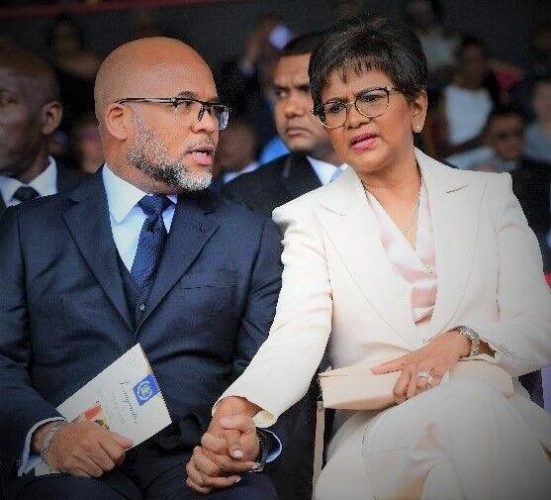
(424, 368)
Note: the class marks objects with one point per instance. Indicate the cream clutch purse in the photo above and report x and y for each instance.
(356, 388)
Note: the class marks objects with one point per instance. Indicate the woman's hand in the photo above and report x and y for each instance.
(424, 368)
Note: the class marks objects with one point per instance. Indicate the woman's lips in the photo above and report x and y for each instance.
(363, 142)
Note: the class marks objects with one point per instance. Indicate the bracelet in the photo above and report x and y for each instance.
(52, 433)
(471, 335)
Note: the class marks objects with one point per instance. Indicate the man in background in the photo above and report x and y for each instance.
(30, 112)
(312, 161)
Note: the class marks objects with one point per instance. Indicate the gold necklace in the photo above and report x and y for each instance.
(414, 215)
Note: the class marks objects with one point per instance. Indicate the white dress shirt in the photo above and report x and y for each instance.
(326, 172)
(230, 176)
(126, 217)
(45, 184)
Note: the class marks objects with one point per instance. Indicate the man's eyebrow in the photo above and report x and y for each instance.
(192, 95)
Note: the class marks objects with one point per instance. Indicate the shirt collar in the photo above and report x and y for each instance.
(230, 176)
(122, 196)
(45, 183)
(324, 170)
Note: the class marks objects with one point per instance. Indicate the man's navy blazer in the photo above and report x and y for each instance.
(64, 316)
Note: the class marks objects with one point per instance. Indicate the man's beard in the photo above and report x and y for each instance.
(150, 156)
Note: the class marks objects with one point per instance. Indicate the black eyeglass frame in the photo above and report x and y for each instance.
(319, 111)
(224, 111)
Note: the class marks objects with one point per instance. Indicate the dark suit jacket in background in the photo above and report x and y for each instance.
(268, 187)
(67, 178)
(273, 184)
(64, 315)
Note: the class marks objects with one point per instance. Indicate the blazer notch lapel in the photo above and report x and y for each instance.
(354, 232)
(455, 216)
(88, 223)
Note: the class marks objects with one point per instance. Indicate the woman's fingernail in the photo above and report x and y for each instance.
(237, 454)
(255, 467)
(236, 480)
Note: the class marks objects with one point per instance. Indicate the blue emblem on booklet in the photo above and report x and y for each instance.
(146, 389)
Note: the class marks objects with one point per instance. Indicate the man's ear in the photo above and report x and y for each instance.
(117, 121)
(50, 114)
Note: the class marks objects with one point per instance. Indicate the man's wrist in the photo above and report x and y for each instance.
(37, 441)
(53, 431)
(265, 445)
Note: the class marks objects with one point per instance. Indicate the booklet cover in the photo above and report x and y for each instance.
(124, 398)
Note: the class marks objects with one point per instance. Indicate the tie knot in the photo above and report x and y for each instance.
(155, 205)
(25, 193)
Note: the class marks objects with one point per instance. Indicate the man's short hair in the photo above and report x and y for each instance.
(28, 65)
(502, 111)
(303, 44)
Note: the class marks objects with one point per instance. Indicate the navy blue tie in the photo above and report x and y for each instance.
(151, 242)
(25, 193)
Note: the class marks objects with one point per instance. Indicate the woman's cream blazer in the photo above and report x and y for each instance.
(339, 290)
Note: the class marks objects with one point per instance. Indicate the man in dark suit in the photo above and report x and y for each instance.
(312, 161)
(141, 252)
(31, 112)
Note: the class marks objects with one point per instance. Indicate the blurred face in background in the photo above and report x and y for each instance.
(87, 146)
(295, 124)
(236, 147)
(505, 135)
(472, 66)
(542, 101)
(20, 123)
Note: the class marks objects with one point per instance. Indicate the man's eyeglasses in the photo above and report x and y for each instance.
(189, 106)
(371, 104)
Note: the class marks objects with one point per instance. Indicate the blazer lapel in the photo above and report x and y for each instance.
(298, 176)
(454, 206)
(354, 231)
(191, 229)
(89, 224)
(2, 205)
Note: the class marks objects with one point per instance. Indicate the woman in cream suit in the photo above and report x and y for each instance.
(406, 264)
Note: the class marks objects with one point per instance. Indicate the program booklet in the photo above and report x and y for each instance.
(124, 398)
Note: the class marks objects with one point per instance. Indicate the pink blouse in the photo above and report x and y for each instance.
(416, 267)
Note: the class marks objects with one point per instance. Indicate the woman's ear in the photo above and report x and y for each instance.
(419, 107)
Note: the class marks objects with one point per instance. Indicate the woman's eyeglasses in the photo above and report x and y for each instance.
(370, 103)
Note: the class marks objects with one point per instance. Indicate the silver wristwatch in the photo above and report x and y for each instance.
(473, 337)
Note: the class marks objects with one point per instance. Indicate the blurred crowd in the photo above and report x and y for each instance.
(485, 114)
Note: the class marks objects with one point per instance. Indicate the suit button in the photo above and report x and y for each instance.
(141, 307)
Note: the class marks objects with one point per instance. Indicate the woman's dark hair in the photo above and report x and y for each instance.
(367, 43)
